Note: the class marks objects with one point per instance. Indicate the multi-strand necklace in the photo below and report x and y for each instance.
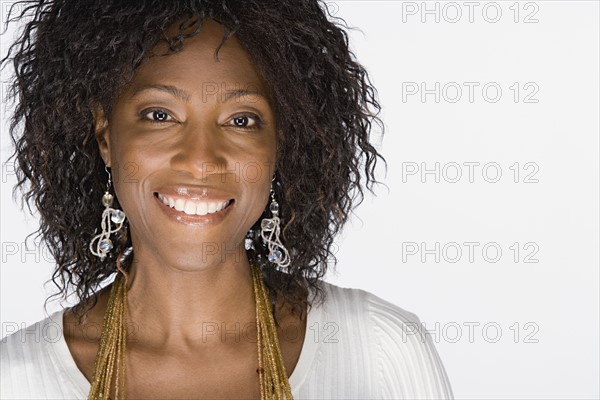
(273, 379)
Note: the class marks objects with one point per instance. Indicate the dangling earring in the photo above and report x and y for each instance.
(249, 240)
(269, 231)
(103, 243)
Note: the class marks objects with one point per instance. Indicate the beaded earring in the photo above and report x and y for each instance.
(101, 244)
(269, 232)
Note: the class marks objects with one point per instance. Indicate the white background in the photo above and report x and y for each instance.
(523, 324)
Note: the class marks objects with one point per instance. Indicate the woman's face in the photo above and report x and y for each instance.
(198, 135)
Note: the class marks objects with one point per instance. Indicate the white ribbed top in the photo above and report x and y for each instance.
(357, 345)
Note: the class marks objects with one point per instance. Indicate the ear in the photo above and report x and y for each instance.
(102, 132)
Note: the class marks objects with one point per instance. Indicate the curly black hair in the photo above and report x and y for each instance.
(73, 54)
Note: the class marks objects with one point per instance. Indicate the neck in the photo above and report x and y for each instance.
(169, 305)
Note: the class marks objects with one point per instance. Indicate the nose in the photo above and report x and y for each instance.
(200, 152)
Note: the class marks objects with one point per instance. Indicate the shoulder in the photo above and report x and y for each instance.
(364, 307)
(26, 357)
(406, 363)
(363, 304)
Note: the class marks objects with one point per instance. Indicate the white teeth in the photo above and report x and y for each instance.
(190, 207)
(180, 204)
(202, 208)
(212, 207)
(193, 207)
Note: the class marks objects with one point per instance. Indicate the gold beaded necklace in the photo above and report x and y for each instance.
(273, 379)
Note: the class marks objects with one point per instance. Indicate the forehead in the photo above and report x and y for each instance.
(195, 66)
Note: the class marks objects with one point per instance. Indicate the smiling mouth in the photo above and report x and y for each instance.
(194, 206)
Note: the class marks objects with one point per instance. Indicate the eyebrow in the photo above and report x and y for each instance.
(242, 92)
(183, 95)
(179, 93)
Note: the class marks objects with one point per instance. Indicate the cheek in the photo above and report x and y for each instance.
(135, 157)
(256, 175)
(128, 186)
(253, 163)
(257, 199)
(131, 168)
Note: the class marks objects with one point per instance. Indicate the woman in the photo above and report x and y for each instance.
(205, 154)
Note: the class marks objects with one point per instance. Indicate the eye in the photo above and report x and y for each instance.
(156, 115)
(242, 121)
